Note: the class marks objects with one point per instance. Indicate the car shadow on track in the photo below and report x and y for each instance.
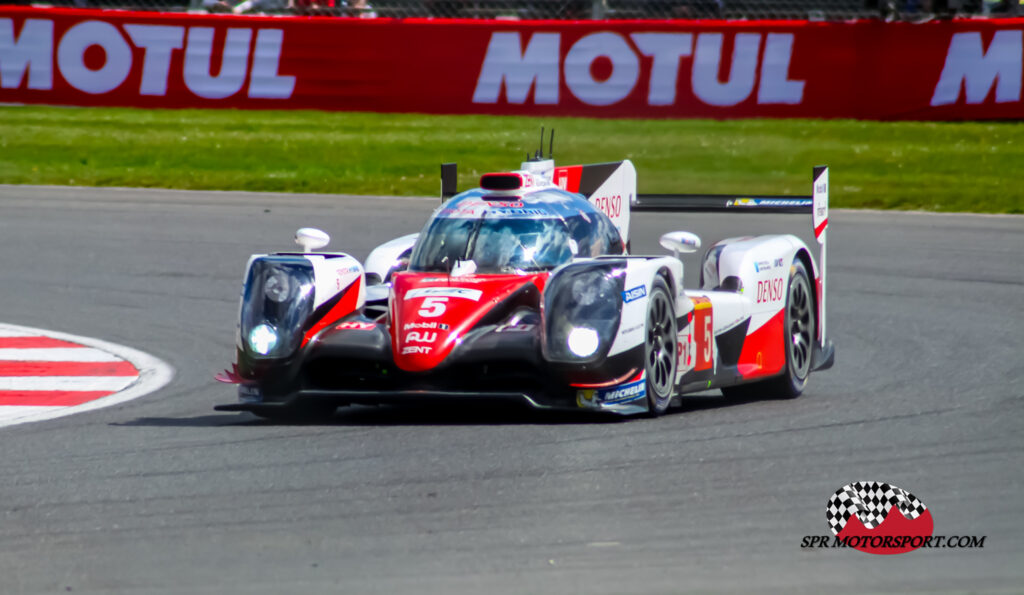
(390, 415)
(411, 415)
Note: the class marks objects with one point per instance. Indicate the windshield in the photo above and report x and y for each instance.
(495, 245)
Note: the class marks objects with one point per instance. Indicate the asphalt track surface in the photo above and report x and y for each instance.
(164, 495)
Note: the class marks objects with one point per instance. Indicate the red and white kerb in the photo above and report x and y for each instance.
(45, 374)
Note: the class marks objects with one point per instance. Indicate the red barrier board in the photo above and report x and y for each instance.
(947, 70)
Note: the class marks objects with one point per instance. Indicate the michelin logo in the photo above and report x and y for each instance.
(624, 393)
(634, 294)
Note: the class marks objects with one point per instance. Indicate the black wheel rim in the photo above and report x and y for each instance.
(800, 326)
(661, 345)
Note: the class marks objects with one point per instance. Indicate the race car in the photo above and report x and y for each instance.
(524, 290)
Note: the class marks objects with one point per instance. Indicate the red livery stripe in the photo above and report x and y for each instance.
(49, 398)
(14, 368)
(34, 343)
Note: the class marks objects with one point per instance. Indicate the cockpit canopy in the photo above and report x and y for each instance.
(513, 234)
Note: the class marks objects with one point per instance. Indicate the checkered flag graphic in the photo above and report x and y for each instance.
(871, 501)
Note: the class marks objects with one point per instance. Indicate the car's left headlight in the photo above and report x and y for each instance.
(582, 307)
(276, 302)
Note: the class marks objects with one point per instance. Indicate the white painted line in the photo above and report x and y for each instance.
(11, 412)
(4, 332)
(57, 354)
(76, 383)
(153, 375)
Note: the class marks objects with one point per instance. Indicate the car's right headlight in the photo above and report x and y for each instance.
(582, 307)
(276, 303)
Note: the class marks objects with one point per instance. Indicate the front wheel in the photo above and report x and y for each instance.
(660, 355)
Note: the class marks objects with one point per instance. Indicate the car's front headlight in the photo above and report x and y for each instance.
(276, 302)
(582, 307)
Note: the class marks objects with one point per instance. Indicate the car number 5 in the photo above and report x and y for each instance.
(433, 307)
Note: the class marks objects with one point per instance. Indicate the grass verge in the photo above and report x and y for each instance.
(937, 166)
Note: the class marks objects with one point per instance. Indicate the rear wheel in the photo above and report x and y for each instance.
(660, 355)
(799, 332)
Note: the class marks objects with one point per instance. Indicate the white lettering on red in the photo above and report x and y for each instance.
(264, 81)
(198, 58)
(776, 86)
(706, 84)
(519, 70)
(666, 50)
(159, 42)
(31, 50)
(969, 67)
(507, 65)
(71, 57)
(621, 81)
(420, 337)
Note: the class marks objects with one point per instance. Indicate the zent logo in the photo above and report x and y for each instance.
(878, 518)
(416, 350)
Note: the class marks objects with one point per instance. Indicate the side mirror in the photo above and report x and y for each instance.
(311, 238)
(680, 242)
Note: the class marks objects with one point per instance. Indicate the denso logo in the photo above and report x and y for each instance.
(95, 57)
(508, 65)
(770, 291)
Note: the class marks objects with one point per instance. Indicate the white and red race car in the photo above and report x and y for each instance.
(523, 289)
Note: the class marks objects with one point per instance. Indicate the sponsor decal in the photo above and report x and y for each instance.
(630, 330)
(634, 294)
(421, 337)
(624, 393)
(421, 325)
(469, 212)
(416, 350)
(770, 202)
(527, 73)
(609, 205)
(356, 326)
(171, 57)
(771, 290)
(882, 518)
(766, 265)
(249, 393)
(444, 292)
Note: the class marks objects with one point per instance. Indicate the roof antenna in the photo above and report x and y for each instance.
(551, 146)
(540, 152)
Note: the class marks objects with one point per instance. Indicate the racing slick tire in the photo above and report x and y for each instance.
(660, 357)
(799, 334)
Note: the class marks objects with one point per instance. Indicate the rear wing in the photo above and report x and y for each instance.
(815, 204)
